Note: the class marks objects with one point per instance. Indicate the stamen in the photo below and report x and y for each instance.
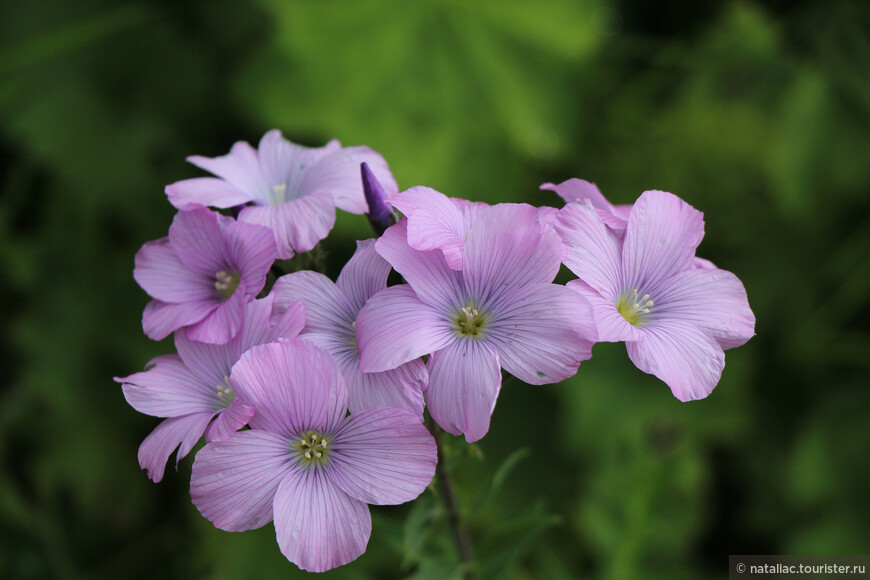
(634, 309)
(226, 283)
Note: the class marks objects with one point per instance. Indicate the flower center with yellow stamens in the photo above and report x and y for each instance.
(279, 193)
(469, 322)
(634, 308)
(225, 393)
(312, 447)
(226, 283)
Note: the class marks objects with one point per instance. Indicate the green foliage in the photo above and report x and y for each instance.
(756, 115)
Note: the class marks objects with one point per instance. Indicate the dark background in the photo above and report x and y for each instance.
(757, 113)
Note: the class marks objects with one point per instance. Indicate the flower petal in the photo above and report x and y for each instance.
(326, 308)
(400, 387)
(318, 526)
(338, 173)
(364, 275)
(196, 236)
(160, 319)
(609, 323)
(687, 359)
(222, 323)
(660, 240)
(176, 432)
(235, 416)
(435, 222)
(163, 276)
(168, 389)
(293, 384)
(542, 332)
(592, 252)
(614, 217)
(251, 250)
(427, 272)
(208, 191)
(233, 482)
(298, 224)
(395, 327)
(383, 456)
(507, 248)
(711, 299)
(464, 381)
(240, 167)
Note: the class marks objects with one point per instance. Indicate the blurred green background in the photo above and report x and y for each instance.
(757, 113)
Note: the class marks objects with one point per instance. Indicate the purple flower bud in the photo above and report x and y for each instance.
(380, 214)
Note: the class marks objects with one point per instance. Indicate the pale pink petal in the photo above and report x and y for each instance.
(427, 272)
(542, 333)
(395, 327)
(160, 319)
(319, 527)
(241, 167)
(235, 416)
(180, 433)
(686, 358)
(222, 324)
(592, 252)
(168, 389)
(435, 222)
(251, 250)
(196, 235)
(163, 276)
(713, 300)
(292, 383)
(326, 308)
(209, 191)
(364, 275)
(298, 224)
(663, 233)
(506, 249)
(210, 363)
(464, 381)
(575, 190)
(383, 456)
(400, 387)
(609, 323)
(233, 482)
(338, 173)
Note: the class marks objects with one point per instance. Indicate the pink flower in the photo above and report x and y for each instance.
(202, 275)
(191, 389)
(675, 313)
(304, 463)
(291, 189)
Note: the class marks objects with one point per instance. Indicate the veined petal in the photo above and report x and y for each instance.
(427, 272)
(464, 381)
(542, 332)
(233, 483)
(326, 308)
(507, 248)
(364, 275)
(614, 217)
(383, 456)
(240, 167)
(400, 387)
(591, 251)
(160, 319)
(163, 276)
(222, 323)
(234, 417)
(292, 383)
(662, 235)
(196, 236)
(168, 389)
(686, 358)
(713, 300)
(338, 173)
(208, 191)
(176, 432)
(251, 249)
(319, 527)
(609, 323)
(395, 327)
(435, 222)
(298, 224)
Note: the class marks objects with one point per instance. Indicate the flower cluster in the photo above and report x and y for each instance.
(311, 394)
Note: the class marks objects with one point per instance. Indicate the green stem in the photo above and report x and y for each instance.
(460, 534)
